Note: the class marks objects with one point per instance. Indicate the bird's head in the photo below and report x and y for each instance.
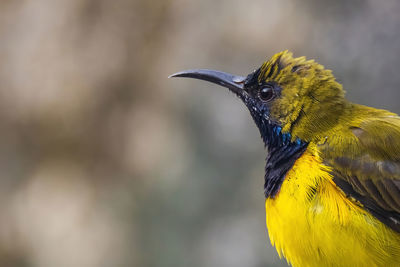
(290, 99)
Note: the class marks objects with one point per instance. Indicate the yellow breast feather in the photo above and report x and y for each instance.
(332, 174)
(310, 214)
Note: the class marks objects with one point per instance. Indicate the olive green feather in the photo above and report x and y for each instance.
(360, 144)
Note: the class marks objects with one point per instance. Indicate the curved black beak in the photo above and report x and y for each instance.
(232, 82)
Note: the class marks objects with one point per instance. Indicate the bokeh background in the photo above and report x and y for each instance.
(106, 162)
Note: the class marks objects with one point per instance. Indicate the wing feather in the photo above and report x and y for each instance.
(365, 163)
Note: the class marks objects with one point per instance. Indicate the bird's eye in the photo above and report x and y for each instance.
(266, 93)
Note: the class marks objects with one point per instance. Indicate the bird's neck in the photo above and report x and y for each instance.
(282, 154)
(315, 121)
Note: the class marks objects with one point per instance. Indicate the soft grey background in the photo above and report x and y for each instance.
(106, 162)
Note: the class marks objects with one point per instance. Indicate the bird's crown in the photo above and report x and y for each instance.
(295, 97)
(305, 99)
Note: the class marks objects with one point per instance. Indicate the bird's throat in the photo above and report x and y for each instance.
(282, 154)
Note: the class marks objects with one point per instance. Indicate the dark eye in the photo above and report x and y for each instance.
(266, 93)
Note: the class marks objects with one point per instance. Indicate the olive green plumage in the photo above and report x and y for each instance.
(361, 144)
(332, 175)
(310, 99)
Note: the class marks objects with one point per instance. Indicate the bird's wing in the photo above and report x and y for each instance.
(365, 164)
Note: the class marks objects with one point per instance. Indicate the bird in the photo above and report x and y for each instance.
(332, 173)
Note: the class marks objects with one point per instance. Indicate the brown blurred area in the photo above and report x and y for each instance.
(106, 162)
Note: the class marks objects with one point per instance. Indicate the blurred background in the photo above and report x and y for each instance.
(106, 162)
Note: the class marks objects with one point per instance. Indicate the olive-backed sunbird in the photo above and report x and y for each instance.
(332, 174)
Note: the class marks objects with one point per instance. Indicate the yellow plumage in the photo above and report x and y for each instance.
(332, 176)
(329, 223)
